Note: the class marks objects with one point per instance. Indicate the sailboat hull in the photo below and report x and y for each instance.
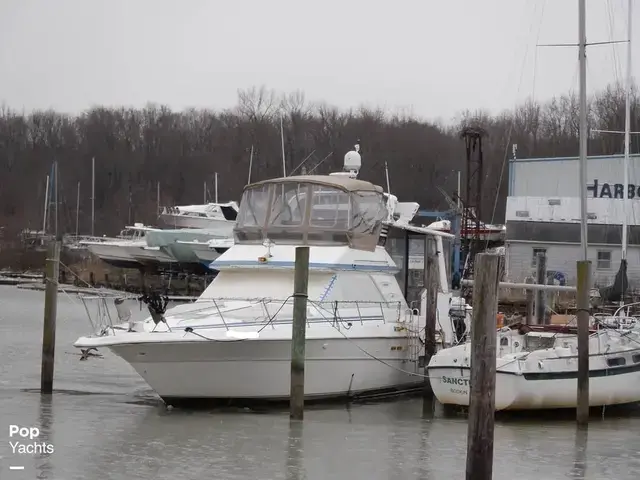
(540, 392)
(259, 370)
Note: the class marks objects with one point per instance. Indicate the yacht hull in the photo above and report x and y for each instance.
(114, 255)
(224, 227)
(205, 254)
(259, 370)
(540, 391)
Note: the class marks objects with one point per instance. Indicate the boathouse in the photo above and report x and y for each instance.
(543, 215)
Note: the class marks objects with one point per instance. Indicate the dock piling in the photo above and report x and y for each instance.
(298, 334)
(541, 297)
(530, 319)
(483, 368)
(431, 313)
(583, 308)
(50, 314)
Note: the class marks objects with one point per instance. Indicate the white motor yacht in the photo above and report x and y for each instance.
(234, 342)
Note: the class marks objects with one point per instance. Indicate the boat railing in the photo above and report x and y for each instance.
(279, 311)
(98, 311)
(273, 311)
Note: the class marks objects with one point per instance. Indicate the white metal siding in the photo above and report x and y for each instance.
(567, 210)
(559, 177)
(563, 258)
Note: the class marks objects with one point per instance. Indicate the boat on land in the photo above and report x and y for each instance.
(233, 344)
(117, 251)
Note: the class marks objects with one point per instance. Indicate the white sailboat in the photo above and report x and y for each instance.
(234, 342)
(537, 366)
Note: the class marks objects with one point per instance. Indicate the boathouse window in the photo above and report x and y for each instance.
(534, 258)
(604, 260)
(616, 361)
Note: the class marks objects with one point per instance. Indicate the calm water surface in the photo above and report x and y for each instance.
(105, 423)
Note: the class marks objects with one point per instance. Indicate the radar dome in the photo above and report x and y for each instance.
(352, 161)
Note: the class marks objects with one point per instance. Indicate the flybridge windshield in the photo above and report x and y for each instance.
(308, 213)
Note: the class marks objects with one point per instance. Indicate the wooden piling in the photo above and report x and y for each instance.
(50, 314)
(431, 283)
(583, 284)
(298, 333)
(483, 368)
(541, 296)
(530, 303)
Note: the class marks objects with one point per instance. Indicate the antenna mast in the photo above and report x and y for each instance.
(250, 165)
(386, 171)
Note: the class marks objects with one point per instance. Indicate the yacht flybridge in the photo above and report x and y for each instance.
(234, 342)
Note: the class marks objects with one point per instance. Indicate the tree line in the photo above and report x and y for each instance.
(135, 149)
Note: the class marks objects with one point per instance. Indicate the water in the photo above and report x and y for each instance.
(104, 422)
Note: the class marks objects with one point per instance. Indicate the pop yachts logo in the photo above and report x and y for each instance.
(461, 382)
(24, 440)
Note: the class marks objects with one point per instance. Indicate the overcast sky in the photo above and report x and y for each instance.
(434, 58)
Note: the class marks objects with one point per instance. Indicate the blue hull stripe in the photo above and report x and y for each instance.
(335, 266)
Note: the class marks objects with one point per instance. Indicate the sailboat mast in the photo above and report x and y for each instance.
(284, 166)
(250, 165)
(216, 186)
(93, 194)
(55, 193)
(582, 54)
(77, 210)
(627, 127)
(46, 207)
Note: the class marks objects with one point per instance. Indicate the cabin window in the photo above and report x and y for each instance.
(534, 258)
(254, 206)
(331, 209)
(289, 205)
(604, 260)
(538, 342)
(636, 358)
(616, 361)
(368, 212)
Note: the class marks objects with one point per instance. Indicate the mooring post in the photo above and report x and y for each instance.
(541, 296)
(431, 284)
(50, 313)
(530, 303)
(483, 368)
(298, 333)
(583, 309)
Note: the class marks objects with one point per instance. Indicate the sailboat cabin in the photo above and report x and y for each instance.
(312, 210)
